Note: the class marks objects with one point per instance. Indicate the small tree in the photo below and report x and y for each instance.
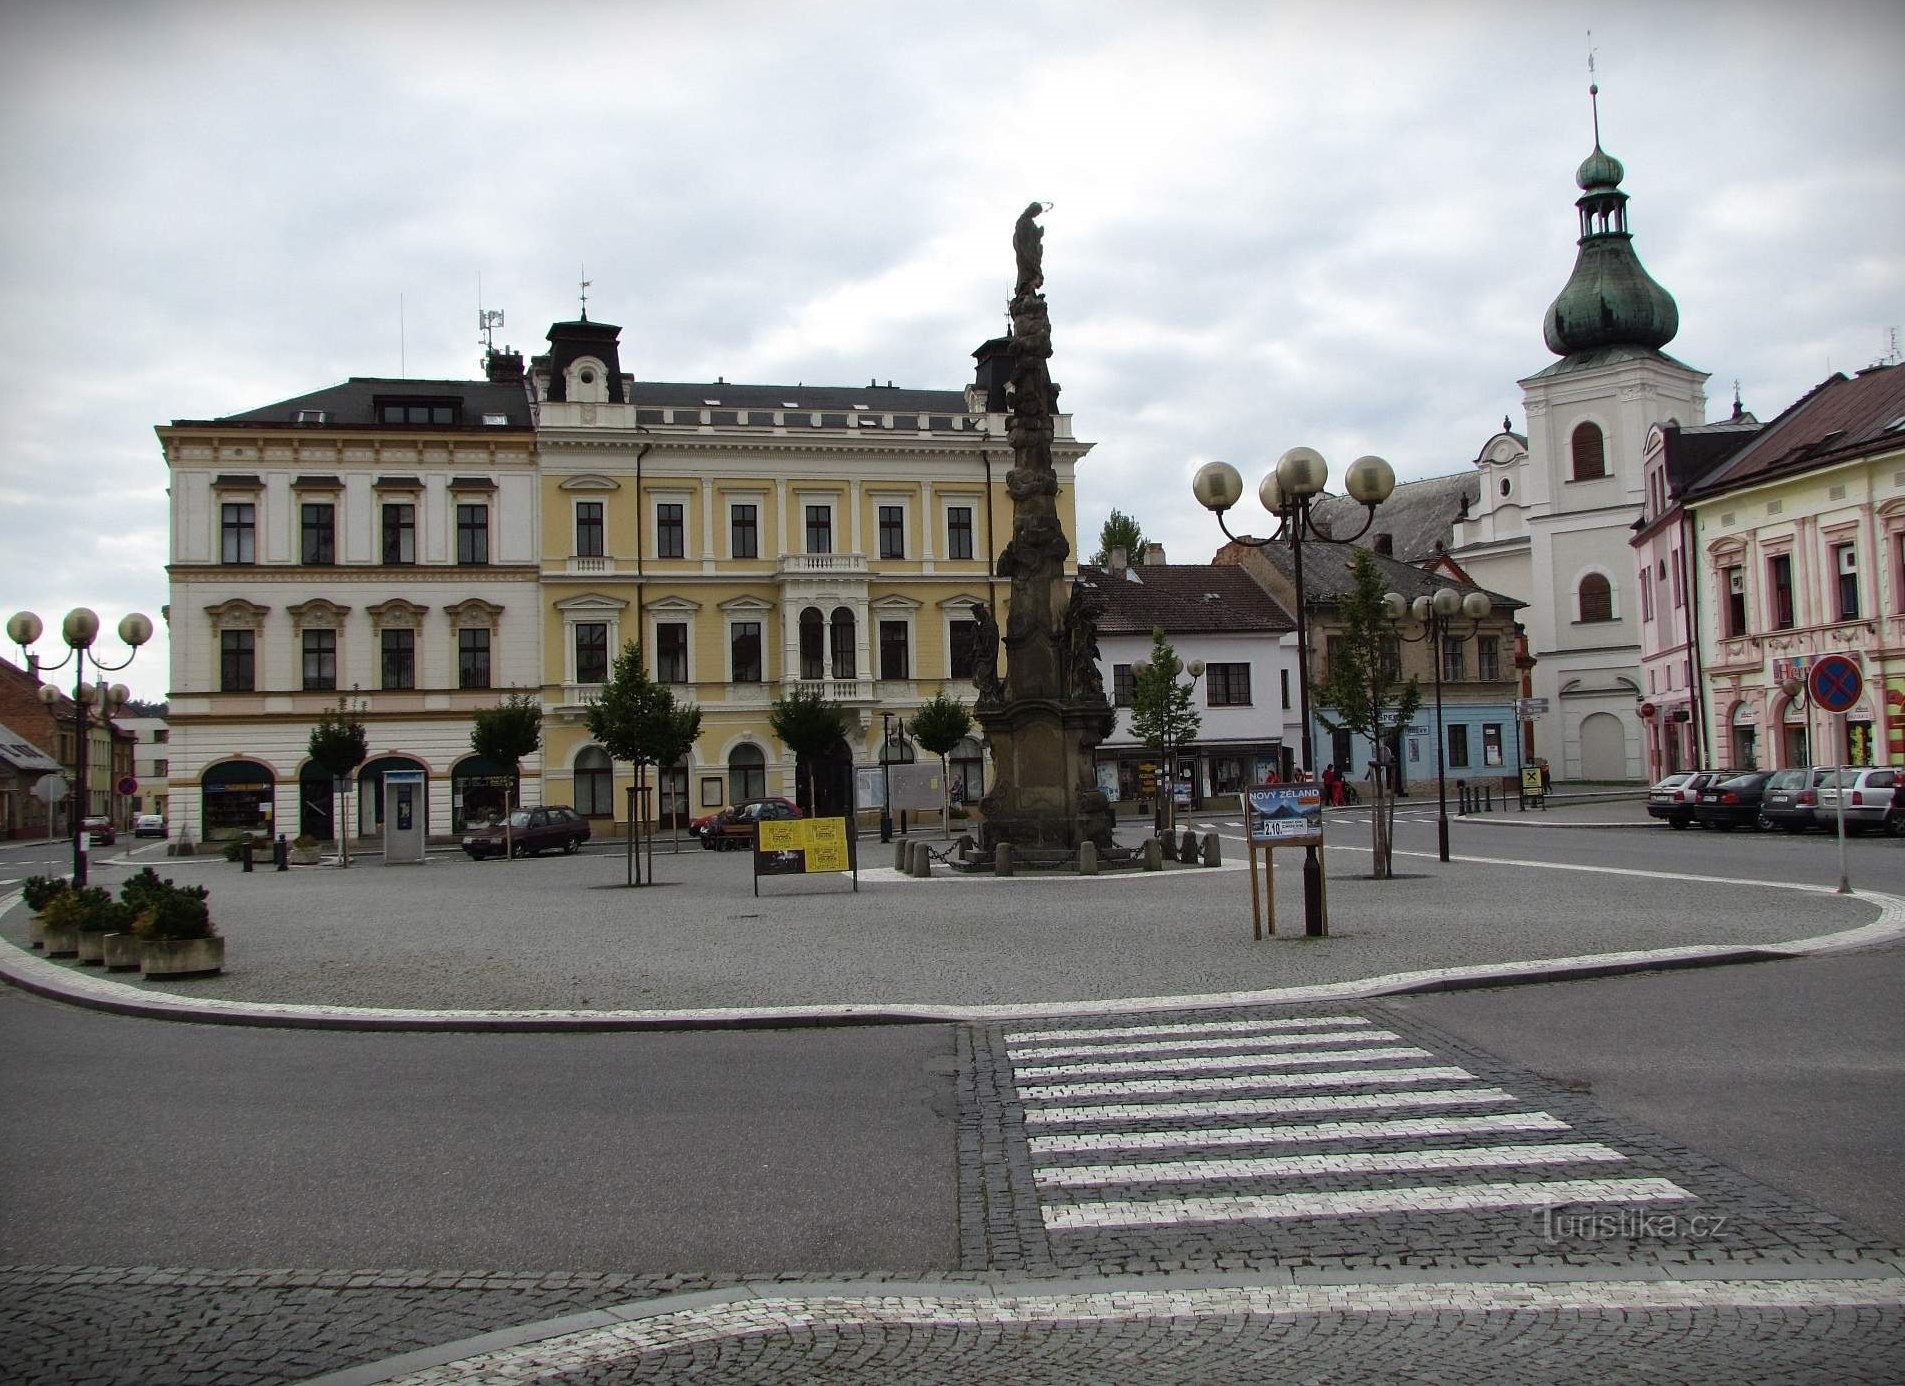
(809, 726)
(1120, 531)
(1361, 694)
(339, 744)
(504, 734)
(1163, 713)
(939, 724)
(638, 720)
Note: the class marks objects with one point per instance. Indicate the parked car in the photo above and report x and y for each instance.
(149, 825)
(1675, 796)
(733, 829)
(701, 825)
(100, 832)
(1732, 803)
(1788, 800)
(1868, 795)
(530, 832)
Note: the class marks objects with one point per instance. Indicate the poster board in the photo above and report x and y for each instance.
(916, 787)
(1284, 815)
(804, 847)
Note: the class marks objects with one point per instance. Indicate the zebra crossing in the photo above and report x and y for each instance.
(1187, 1124)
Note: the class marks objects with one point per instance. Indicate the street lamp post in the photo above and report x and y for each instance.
(1141, 671)
(886, 775)
(1287, 493)
(1436, 616)
(79, 630)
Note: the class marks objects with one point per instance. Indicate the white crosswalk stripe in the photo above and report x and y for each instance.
(1438, 1073)
(1297, 1040)
(1192, 1063)
(1198, 1027)
(1341, 1162)
(1403, 1128)
(1263, 1106)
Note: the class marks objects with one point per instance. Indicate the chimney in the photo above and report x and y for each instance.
(1119, 558)
(1154, 556)
(504, 367)
(1386, 544)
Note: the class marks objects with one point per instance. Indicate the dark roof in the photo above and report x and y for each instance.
(878, 399)
(353, 404)
(1605, 356)
(1693, 451)
(1419, 516)
(1184, 598)
(1327, 573)
(1841, 419)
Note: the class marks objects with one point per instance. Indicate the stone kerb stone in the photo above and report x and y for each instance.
(1088, 858)
(1213, 854)
(1153, 854)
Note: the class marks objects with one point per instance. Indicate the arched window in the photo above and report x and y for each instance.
(968, 779)
(845, 662)
(1590, 453)
(594, 783)
(1597, 598)
(747, 773)
(813, 640)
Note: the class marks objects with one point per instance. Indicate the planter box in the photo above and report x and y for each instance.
(92, 946)
(306, 856)
(182, 957)
(36, 931)
(124, 952)
(61, 943)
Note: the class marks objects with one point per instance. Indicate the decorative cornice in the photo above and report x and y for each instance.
(237, 614)
(397, 614)
(319, 613)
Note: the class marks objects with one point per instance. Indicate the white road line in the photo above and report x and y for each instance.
(1339, 1162)
(1301, 1058)
(1265, 1106)
(1349, 1203)
(1051, 1092)
(1496, 1123)
(1087, 1051)
(1200, 1027)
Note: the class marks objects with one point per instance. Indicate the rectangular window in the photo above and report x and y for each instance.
(1779, 577)
(320, 660)
(1845, 570)
(161, 767)
(892, 531)
(237, 532)
(317, 533)
(1283, 679)
(893, 661)
(472, 534)
(1227, 685)
(820, 529)
(591, 652)
(400, 659)
(744, 531)
(1389, 657)
(963, 635)
(1734, 582)
(236, 653)
(1454, 666)
(472, 659)
(1122, 685)
(671, 652)
(588, 529)
(1458, 746)
(1488, 657)
(400, 532)
(1332, 654)
(744, 652)
(959, 531)
(1492, 743)
(671, 540)
(1646, 596)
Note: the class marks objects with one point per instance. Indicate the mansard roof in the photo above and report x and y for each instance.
(357, 403)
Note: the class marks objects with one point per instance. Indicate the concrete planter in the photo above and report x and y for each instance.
(92, 946)
(123, 952)
(182, 957)
(305, 856)
(61, 942)
(36, 931)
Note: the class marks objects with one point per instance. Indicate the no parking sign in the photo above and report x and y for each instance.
(1835, 683)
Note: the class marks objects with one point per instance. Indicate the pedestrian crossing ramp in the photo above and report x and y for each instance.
(1180, 1126)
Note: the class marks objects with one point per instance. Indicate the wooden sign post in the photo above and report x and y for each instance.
(1283, 815)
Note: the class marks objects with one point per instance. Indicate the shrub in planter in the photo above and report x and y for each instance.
(66, 915)
(39, 891)
(306, 850)
(175, 926)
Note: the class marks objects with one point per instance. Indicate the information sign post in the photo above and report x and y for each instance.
(1281, 816)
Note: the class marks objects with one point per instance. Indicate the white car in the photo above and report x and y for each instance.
(1868, 791)
(149, 825)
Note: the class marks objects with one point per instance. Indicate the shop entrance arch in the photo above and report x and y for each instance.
(370, 792)
(236, 798)
(481, 791)
(317, 803)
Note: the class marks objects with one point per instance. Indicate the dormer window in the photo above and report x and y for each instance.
(419, 411)
(309, 416)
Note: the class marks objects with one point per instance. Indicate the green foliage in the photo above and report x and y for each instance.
(156, 908)
(1120, 531)
(806, 723)
(1358, 695)
(637, 719)
(90, 909)
(338, 741)
(509, 731)
(41, 890)
(1163, 711)
(941, 723)
(304, 842)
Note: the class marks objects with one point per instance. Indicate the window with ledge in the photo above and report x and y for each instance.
(1454, 659)
(237, 532)
(1458, 746)
(744, 531)
(320, 660)
(1332, 654)
(1492, 743)
(588, 529)
(1646, 597)
(744, 652)
(400, 532)
(892, 531)
(591, 652)
(399, 659)
(472, 535)
(1779, 581)
(813, 644)
(894, 663)
(671, 652)
(959, 531)
(1733, 582)
(1123, 685)
(1845, 568)
(1590, 453)
(472, 659)
(594, 783)
(1389, 657)
(1596, 598)
(671, 537)
(747, 774)
(1227, 685)
(317, 533)
(422, 411)
(161, 767)
(237, 660)
(846, 660)
(1283, 680)
(820, 529)
(1488, 658)
(961, 638)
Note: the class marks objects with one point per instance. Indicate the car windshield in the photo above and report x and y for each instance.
(1746, 781)
(1787, 779)
(519, 819)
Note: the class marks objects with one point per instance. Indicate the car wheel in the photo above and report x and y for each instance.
(569, 847)
(1678, 823)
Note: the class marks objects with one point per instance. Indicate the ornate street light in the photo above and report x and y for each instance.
(1141, 671)
(1287, 493)
(1436, 616)
(79, 630)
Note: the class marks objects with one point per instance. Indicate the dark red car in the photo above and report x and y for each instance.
(530, 831)
(733, 828)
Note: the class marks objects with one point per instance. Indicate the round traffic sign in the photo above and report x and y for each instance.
(1835, 683)
(128, 785)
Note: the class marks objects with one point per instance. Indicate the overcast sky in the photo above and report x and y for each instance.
(1334, 224)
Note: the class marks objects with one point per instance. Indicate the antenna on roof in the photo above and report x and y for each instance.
(487, 321)
(403, 369)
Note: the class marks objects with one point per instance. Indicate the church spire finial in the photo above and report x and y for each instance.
(586, 281)
(1594, 91)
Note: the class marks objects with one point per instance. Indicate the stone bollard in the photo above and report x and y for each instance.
(1088, 859)
(902, 853)
(1153, 854)
(1213, 855)
(280, 854)
(1187, 849)
(1002, 859)
(922, 859)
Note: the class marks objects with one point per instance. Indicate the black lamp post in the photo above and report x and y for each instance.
(1436, 616)
(79, 630)
(1287, 493)
(1141, 671)
(886, 776)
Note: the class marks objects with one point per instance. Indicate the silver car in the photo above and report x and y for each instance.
(1867, 790)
